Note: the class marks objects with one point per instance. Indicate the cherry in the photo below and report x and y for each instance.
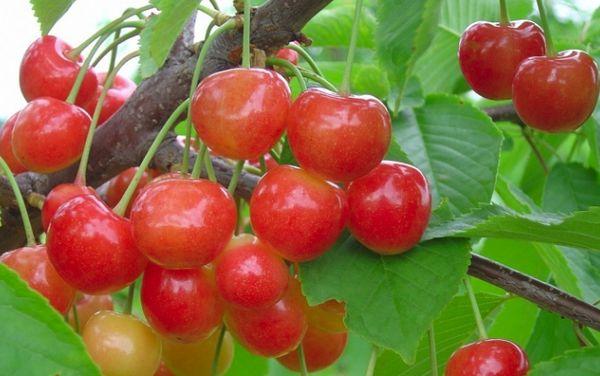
(240, 113)
(328, 316)
(288, 54)
(339, 138)
(270, 163)
(118, 185)
(92, 248)
(181, 304)
(389, 208)
(183, 223)
(58, 196)
(321, 349)
(249, 274)
(558, 93)
(120, 91)
(490, 53)
(121, 344)
(273, 331)
(88, 305)
(49, 134)
(47, 71)
(33, 266)
(298, 214)
(490, 357)
(6, 151)
(195, 359)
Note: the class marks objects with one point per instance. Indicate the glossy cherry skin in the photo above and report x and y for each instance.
(118, 185)
(240, 113)
(122, 345)
(6, 151)
(389, 208)
(46, 71)
(33, 266)
(298, 214)
(490, 357)
(273, 331)
(88, 305)
(182, 305)
(339, 138)
(49, 134)
(58, 196)
(249, 274)
(556, 94)
(183, 223)
(119, 92)
(321, 349)
(92, 248)
(286, 54)
(490, 53)
(328, 316)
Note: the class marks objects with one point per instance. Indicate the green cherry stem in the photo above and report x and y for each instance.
(199, 162)
(263, 164)
(550, 51)
(115, 50)
(215, 4)
(302, 360)
(246, 39)
(121, 207)
(306, 56)
(210, 170)
(215, 363)
(475, 307)
(372, 362)
(75, 317)
(432, 351)
(504, 19)
(316, 78)
(345, 87)
(20, 202)
(114, 44)
(235, 177)
(129, 301)
(286, 64)
(83, 70)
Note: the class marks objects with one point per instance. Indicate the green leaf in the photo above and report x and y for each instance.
(35, 339)
(456, 146)
(390, 300)
(571, 187)
(365, 78)
(584, 362)
(161, 32)
(552, 336)
(244, 361)
(49, 12)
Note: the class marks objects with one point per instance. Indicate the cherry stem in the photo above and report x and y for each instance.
(302, 52)
(115, 43)
(215, 4)
(263, 164)
(235, 177)
(504, 19)
(75, 317)
(246, 39)
(475, 307)
(121, 207)
(302, 360)
(432, 352)
(210, 170)
(581, 335)
(345, 87)
(218, 17)
(536, 151)
(372, 362)
(286, 64)
(316, 78)
(215, 363)
(550, 51)
(115, 50)
(83, 71)
(20, 203)
(197, 170)
(85, 156)
(129, 302)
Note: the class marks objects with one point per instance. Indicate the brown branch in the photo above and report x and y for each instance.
(505, 112)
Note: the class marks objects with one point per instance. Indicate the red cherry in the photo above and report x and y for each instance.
(298, 214)
(389, 208)
(490, 53)
(88, 305)
(273, 331)
(32, 264)
(49, 134)
(92, 248)
(338, 138)
(328, 316)
(321, 349)
(183, 223)
(490, 357)
(181, 304)
(46, 71)
(6, 151)
(270, 163)
(58, 196)
(118, 185)
(286, 54)
(120, 91)
(240, 113)
(249, 274)
(556, 94)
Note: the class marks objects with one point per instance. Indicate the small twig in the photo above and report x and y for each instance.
(535, 150)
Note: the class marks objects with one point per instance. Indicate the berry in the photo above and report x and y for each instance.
(120, 91)
(490, 53)
(6, 151)
(328, 316)
(88, 305)
(58, 196)
(339, 138)
(240, 113)
(389, 208)
(118, 185)
(288, 199)
(490, 357)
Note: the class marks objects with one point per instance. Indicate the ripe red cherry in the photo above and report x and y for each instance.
(183, 223)
(328, 316)
(338, 138)
(118, 185)
(92, 248)
(88, 305)
(46, 71)
(273, 331)
(286, 54)
(58, 196)
(321, 349)
(298, 214)
(33, 266)
(181, 304)
(120, 91)
(6, 151)
(240, 113)
(389, 208)
(249, 274)
(490, 53)
(556, 94)
(490, 357)
(49, 134)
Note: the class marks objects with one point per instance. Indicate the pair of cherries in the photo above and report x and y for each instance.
(506, 60)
